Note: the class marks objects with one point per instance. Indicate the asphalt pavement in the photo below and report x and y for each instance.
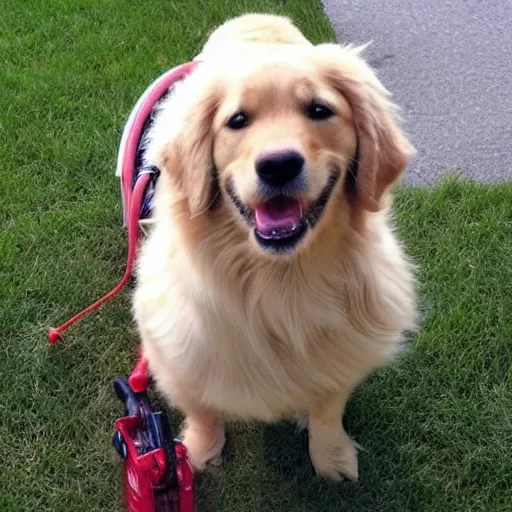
(449, 67)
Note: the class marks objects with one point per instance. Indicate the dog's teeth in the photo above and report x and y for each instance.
(278, 233)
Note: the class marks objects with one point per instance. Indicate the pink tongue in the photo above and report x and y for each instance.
(278, 213)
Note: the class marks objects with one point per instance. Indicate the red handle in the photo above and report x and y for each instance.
(139, 378)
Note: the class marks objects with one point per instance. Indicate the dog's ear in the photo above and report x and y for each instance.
(195, 153)
(181, 140)
(384, 151)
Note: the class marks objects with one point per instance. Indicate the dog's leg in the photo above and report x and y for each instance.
(332, 451)
(204, 437)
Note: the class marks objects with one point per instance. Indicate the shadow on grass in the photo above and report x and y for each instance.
(275, 472)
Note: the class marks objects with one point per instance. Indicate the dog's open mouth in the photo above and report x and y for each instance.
(278, 218)
(281, 222)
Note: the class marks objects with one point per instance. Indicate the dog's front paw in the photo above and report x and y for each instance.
(204, 446)
(334, 458)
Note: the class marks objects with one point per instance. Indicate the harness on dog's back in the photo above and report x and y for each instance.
(136, 179)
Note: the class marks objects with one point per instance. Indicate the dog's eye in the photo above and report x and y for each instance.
(318, 111)
(238, 121)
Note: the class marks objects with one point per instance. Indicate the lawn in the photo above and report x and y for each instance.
(435, 426)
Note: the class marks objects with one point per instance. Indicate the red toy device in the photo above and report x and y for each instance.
(157, 473)
(158, 476)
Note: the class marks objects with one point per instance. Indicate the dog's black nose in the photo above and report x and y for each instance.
(280, 167)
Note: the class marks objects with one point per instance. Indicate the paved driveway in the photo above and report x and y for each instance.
(449, 66)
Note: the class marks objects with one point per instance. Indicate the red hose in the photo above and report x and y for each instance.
(135, 197)
(138, 192)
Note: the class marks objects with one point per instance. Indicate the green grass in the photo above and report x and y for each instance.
(435, 426)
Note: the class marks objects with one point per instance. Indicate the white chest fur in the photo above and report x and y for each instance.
(262, 344)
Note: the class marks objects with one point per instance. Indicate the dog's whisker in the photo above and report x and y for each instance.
(352, 164)
(210, 204)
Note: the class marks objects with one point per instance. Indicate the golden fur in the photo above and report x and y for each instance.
(234, 331)
(241, 33)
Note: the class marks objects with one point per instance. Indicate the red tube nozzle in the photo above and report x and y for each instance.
(54, 335)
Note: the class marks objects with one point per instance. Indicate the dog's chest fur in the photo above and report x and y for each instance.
(257, 342)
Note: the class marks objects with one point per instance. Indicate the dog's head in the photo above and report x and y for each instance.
(289, 142)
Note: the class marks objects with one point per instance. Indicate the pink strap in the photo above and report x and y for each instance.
(132, 143)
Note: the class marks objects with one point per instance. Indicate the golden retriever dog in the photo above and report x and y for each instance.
(272, 283)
